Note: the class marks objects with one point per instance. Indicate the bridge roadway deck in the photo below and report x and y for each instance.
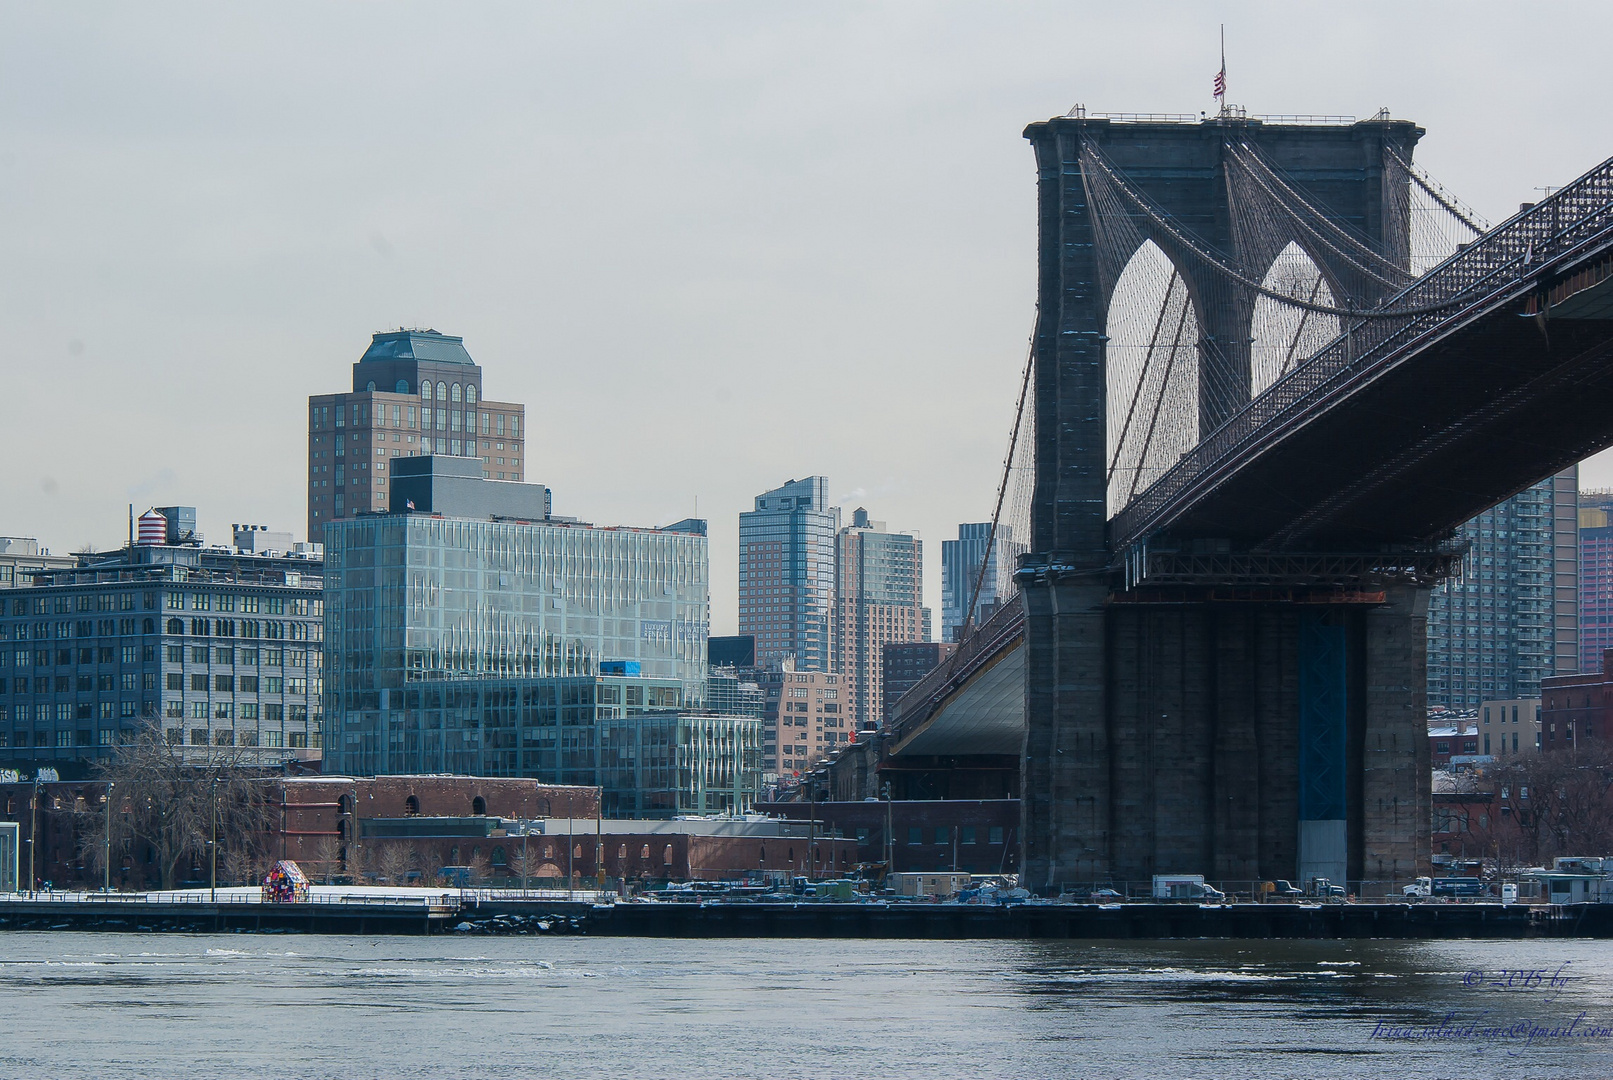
(1411, 425)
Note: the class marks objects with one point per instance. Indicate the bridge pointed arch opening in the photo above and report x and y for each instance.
(1285, 335)
(1152, 374)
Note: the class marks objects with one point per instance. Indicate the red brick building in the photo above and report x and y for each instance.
(1574, 708)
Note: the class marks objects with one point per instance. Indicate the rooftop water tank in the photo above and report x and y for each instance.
(153, 529)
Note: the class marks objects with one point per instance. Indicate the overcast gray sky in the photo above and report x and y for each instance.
(713, 246)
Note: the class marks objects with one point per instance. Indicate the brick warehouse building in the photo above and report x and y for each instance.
(314, 818)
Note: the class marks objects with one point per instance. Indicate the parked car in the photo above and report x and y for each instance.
(1286, 889)
(1105, 896)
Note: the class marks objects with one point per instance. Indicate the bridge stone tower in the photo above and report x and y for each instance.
(1244, 728)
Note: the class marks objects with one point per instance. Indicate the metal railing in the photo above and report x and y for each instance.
(1498, 267)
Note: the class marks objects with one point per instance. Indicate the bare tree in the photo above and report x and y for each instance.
(428, 860)
(1561, 801)
(176, 798)
(479, 868)
(327, 855)
(392, 861)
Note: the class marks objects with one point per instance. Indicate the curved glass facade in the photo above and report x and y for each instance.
(412, 599)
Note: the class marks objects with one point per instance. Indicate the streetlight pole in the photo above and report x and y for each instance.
(890, 836)
(212, 844)
(107, 887)
(33, 833)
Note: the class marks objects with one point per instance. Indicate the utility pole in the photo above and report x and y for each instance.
(107, 887)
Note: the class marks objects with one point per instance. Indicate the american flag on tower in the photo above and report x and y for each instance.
(1221, 76)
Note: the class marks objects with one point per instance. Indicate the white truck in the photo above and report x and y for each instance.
(1185, 887)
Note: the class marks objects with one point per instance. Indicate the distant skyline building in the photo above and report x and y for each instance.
(879, 601)
(805, 718)
(787, 574)
(415, 392)
(1512, 618)
(1595, 578)
(960, 568)
(904, 666)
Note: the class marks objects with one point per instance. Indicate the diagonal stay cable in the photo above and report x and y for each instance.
(1204, 252)
(1142, 378)
(1159, 402)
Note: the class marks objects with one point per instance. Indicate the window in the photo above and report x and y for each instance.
(966, 834)
(995, 836)
(198, 736)
(915, 835)
(224, 683)
(199, 683)
(249, 684)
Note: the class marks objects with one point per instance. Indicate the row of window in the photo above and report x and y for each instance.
(62, 603)
(248, 684)
(272, 712)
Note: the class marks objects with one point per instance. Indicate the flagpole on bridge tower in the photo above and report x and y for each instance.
(1221, 76)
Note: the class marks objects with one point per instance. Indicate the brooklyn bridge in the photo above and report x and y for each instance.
(1275, 365)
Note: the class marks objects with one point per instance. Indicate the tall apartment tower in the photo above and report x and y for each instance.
(960, 568)
(786, 574)
(879, 601)
(415, 392)
(1595, 578)
(1512, 617)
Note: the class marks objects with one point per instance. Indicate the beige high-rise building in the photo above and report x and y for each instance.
(879, 601)
(415, 392)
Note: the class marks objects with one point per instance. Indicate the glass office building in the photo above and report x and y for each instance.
(476, 646)
(787, 574)
(1511, 618)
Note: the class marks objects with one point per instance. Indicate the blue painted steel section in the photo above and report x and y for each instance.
(1321, 718)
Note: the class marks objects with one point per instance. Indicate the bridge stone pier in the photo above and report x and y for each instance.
(1209, 703)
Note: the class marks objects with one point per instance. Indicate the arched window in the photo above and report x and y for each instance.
(442, 391)
(645, 854)
(453, 393)
(499, 858)
(576, 852)
(176, 626)
(402, 387)
(666, 856)
(149, 626)
(411, 807)
(470, 393)
(425, 390)
(370, 385)
(478, 807)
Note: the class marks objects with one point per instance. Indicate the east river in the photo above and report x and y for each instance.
(290, 1006)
